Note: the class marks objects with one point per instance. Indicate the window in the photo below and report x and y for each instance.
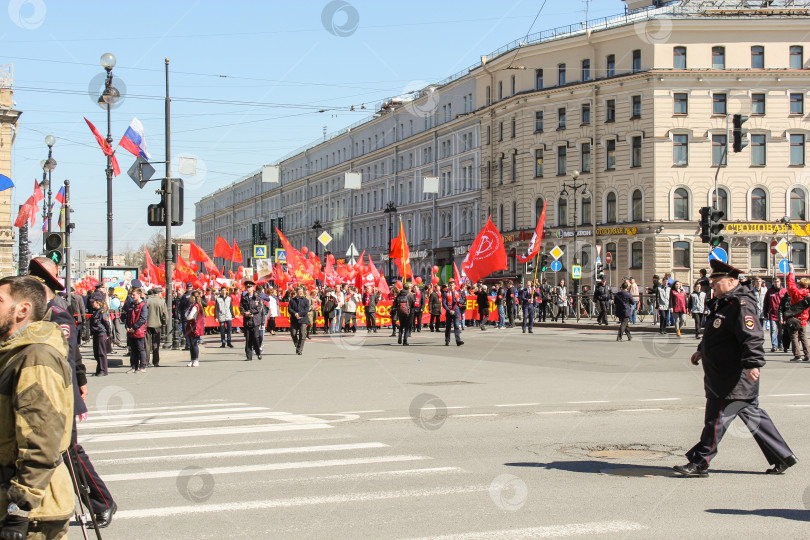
(514, 216)
(759, 255)
(488, 94)
(680, 204)
(637, 210)
(796, 149)
(636, 255)
(796, 57)
(679, 58)
(758, 150)
(562, 212)
(680, 147)
(586, 70)
(500, 217)
(759, 205)
(538, 163)
(798, 254)
(514, 167)
(718, 103)
(681, 257)
(561, 118)
(610, 155)
(610, 65)
(586, 113)
(500, 90)
(538, 122)
(560, 74)
(796, 103)
(585, 155)
(798, 204)
(718, 58)
(681, 103)
(757, 57)
(489, 135)
(635, 107)
(636, 61)
(562, 152)
(500, 131)
(586, 211)
(758, 104)
(538, 79)
(500, 170)
(635, 152)
(610, 110)
(512, 82)
(722, 202)
(719, 150)
(610, 207)
(538, 208)
(514, 128)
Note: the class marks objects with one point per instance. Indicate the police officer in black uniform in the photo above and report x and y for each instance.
(102, 502)
(732, 353)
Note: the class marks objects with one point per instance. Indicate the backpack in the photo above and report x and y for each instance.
(403, 306)
(795, 310)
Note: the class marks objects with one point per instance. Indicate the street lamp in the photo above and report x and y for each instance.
(49, 165)
(390, 209)
(575, 188)
(106, 100)
(317, 227)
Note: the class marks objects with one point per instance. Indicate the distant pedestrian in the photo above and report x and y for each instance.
(562, 300)
(435, 308)
(155, 322)
(452, 314)
(223, 312)
(678, 306)
(798, 322)
(272, 310)
(773, 299)
(623, 302)
(252, 308)
(136, 331)
(482, 298)
(601, 297)
(100, 330)
(404, 304)
(299, 318)
(195, 327)
(697, 307)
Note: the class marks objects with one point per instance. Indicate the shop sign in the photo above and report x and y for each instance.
(768, 228)
(616, 231)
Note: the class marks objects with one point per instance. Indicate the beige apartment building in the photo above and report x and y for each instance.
(8, 129)
(641, 107)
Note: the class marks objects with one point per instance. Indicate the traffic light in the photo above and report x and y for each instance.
(529, 267)
(737, 133)
(55, 247)
(711, 226)
(599, 269)
(543, 262)
(156, 213)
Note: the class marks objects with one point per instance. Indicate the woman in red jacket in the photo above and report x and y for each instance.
(678, 306)
(195, 327)
(798, 335)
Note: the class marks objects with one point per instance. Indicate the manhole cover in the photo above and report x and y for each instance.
(627, 454)
(632, 451)
(442, 383)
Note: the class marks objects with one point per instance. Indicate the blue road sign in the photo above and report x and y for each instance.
(556, 266)
(783, 266)
(576, 272)
(259, 251)
(281, 255)
(718, 254)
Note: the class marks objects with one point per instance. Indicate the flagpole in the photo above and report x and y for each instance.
(536, 262)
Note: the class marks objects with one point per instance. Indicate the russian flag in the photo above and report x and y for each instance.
(134, 140)
(60, 197)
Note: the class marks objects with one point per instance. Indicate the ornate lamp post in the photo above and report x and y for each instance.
(107, 99)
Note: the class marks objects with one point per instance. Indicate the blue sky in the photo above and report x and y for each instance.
(246, 81)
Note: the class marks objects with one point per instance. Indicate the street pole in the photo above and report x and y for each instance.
(109, 189)
(171, 327)
(68, 229)
(23, 251)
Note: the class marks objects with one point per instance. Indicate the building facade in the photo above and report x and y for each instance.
(8, 130)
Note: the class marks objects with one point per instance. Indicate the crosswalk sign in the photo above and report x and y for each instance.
(259, 252)
(576, 272)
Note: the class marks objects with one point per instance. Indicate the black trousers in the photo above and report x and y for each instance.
(371, 320)
(452, 319)
(137, 352)
(100, 496)
(298, 331)
(541, 311)
(698, 322)
(484, 315)
(603, 312)
(434, 322)
(153, 346)
(528, 316)
(719, 415)
(510, 314)
(100, 343)
(416, 320)
(624, 328)
(252, 337)
(404, 326)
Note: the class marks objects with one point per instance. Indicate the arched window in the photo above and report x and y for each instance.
(798, 254)
(722, 202)
(538, 208)
(610, 208)
(464, 222)
(562, 212)
(759, 205)
(798, 204)
(680, 204)
(637, 206)
(587, 211)
(681, 256)
(759, 255)
(636, 255)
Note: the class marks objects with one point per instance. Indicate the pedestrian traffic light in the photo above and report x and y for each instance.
(737, 133)
(55, 247)
(543, 262)
(530, 267)
(711, 226)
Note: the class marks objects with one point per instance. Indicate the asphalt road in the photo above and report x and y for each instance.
(560, 433)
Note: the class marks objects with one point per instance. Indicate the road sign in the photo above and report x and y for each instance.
(783, 247)
(259, 252)
(352, 251)
(598, 260)
(784, 266)
(576, 272)
(718, 254)
(325, 238)
(608, 257)
(773, 247)
(556, 266)
(281, 255)
(556, 252)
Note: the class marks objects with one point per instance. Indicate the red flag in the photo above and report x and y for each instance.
(486, 255)
(296, 262)
(401, 254)
(27, 212)
(38, 195)
(197, 254)
(456, 275)
(223, 249)
(537, 237)
(156, 274)
(330, 275)
(105, 147)
(237, 253)
(374, 271)
(182, 271)
(382, 285)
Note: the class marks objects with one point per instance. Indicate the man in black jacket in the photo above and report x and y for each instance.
(404, 306)
(601, 297)
(253, 314)
(299, 318)
(370, 305)
(732, 353)
(482, 298)
(511, 303)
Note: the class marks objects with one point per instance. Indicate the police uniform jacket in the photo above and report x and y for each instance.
(732, 343)
(252, 309)
(57, 314)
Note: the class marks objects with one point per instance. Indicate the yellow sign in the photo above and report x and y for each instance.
(556, 252)
(626, 231)
(121, 293)
(325, 238)
(783, 247)
(259, 252)
(768, 228)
